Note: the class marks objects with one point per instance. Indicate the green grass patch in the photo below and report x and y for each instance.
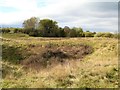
(11, 53)
(15, 35)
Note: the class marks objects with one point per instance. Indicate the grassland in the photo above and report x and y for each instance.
(98, 69)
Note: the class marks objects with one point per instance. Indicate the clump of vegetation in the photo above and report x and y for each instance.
(89, 34)
(11, 54)
(11, 71)
(117, 35)
(112, 75)
(109, 35)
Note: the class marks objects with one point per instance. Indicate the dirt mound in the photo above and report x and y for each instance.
(53, 55)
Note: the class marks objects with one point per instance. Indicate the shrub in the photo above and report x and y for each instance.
(99, 34)
(117, 35)
(18, 30)
(110, 35)
(107, 34)
(88, 34)
(5, 30)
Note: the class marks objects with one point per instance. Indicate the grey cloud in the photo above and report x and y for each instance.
(103, 6)
(96, 15)
(95, 9)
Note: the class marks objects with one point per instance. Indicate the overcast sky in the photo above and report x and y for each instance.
(88, 14)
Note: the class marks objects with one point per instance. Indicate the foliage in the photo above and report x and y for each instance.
(117, 35)
(31, 23)
(107, 34)
(79, 31)
(88, 34)
(5, 30)
(48, 28)
(110, 35)
(66, 30)
(11, 53)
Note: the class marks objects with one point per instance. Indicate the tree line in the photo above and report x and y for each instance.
(49, 28)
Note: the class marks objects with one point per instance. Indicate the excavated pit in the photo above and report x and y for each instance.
(51, 56)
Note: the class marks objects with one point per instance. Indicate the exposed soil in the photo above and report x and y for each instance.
(50, 56)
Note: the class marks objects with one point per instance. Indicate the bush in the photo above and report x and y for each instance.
(117, 35)
(110, 35)
(5, 30)
(99, 34)
(18, 30)
(89, 34)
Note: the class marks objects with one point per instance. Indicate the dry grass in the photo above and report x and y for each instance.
(96, 70)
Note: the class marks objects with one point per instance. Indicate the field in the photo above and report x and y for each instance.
(36, 62)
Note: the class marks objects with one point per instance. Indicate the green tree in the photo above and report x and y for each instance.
(79, 31)
(67, 31)
(72, 33)
(31, 23)
(61, 32)
(30, 26)
(48, 28)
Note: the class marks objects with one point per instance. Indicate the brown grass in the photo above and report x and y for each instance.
(96, 70)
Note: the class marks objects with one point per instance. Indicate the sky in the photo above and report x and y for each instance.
(92, 15)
